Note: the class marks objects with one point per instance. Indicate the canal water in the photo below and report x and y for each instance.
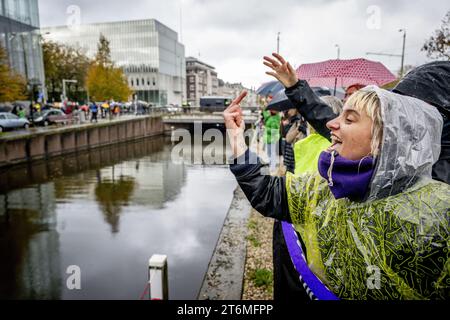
(107, 211)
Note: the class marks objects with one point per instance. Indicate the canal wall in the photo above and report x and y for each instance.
(225, 276)
(19, 148)
(224, 279)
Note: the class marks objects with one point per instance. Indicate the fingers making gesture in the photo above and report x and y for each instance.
(281, 70)
(235, 125)
(233, 114)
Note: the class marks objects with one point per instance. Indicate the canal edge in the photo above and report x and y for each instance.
(224, 278)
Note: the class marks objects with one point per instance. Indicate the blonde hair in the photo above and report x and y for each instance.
(369, 103)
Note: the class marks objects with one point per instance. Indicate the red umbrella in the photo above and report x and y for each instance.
(343, 73)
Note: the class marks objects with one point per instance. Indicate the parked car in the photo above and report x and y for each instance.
(10, 121)
(172, 108)
(160, 109)
(49, 117)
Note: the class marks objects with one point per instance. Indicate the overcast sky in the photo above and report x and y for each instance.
(234, 35)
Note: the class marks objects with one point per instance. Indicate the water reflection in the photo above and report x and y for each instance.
(29, 244)
(112, 195)
(108, 211)
(43, 171)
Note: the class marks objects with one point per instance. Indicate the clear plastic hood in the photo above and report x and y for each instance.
(411, 143)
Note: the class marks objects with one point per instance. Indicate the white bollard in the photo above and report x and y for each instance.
(158, 277)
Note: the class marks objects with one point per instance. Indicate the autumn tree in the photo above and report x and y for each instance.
(64, 62)
(104, 80)
(438, 46)
(12, 85)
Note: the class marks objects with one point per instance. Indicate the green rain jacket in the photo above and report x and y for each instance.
(272, 127)
(395, 244)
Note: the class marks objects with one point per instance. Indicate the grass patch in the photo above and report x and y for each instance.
(255, 242)
(262, 278)
(252, 225)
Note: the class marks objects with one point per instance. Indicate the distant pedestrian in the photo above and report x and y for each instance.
(21, 113)
(76, 115)
(82, 116)
(94, 112)
(272, 123)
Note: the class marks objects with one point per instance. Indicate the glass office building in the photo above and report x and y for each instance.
(20, 35)
(148, 51)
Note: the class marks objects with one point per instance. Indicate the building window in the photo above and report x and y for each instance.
(137, 82)
(192, 87)
(132, 82)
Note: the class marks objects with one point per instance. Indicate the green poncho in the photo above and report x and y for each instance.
(404, 237)
(395, 245)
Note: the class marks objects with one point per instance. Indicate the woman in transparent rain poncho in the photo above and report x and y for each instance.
(372, 222)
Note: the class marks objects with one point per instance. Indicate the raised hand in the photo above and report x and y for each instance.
(233, 114)
(281, 70)
(235, 125)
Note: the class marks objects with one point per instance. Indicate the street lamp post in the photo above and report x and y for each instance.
(403, 52)
(338, 51)
(338, 57)
(64, 88)
(278, 42)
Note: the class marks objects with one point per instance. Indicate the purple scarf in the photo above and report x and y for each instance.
(349, 178)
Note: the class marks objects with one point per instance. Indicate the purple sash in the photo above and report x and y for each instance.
(313, 286)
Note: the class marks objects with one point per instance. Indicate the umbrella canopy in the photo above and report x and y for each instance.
(270, 88)
(343, 73)
(429, 82)
(280, 102)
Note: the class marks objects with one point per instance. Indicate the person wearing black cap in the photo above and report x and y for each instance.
(429, 82)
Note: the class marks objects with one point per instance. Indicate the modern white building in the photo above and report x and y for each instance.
(147, 50)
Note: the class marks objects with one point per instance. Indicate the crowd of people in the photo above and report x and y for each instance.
(107, 109)
(78, 113)
(363, 209)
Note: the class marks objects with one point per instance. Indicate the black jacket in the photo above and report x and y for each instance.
(316, 112)
(267, 194)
